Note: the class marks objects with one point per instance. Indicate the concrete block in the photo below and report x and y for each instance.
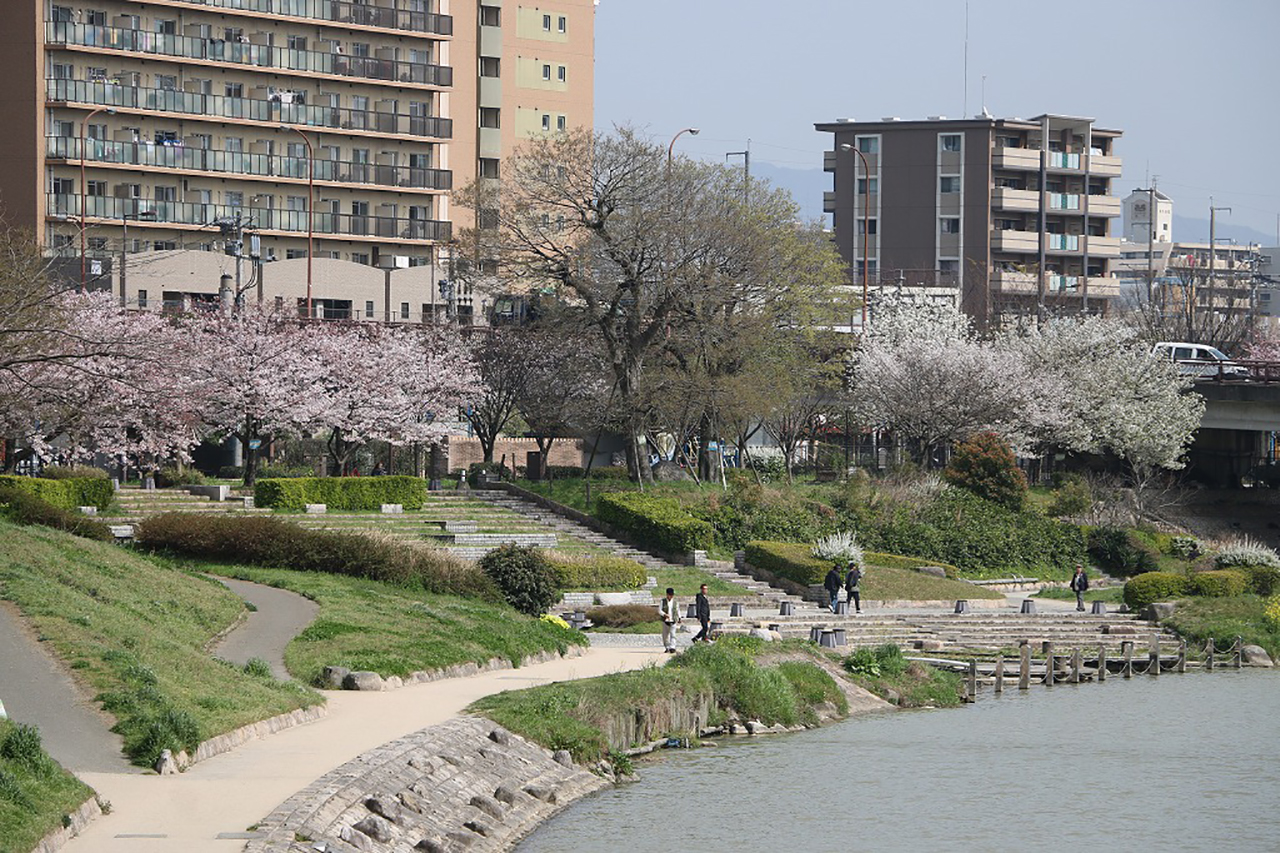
(88, 510)
(392, 509)
(317, 509)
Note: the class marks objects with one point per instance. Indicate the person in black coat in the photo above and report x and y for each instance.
(1079, 584)
(832, 585)
(702, 609)
(851, 581)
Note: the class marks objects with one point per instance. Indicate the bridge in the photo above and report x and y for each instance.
(1242, 411)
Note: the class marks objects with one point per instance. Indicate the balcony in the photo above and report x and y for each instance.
(1007, 281)
(1006, 198)
(258, 56)
(1104, 205)
(1062, 242)
(249, 165)
(396, 15)
(1104, 166)
(199, 215)
(1020, 159)
(1029, 241)
(274, 112)
(1104, 247)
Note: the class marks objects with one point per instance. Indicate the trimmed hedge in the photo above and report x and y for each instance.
(342, 493)
(597, 573)
(65, 493)
(1263, 580)
(23, 507)
(896, 561)
(266, 541)
(1154, 586)
(655, 522)
(72, 472)
(791, 560)
(1221, 583)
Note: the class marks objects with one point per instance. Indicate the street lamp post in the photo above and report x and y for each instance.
(141, 216)
(692, 131)
(311, 191)
(84, 190)
(866, 221)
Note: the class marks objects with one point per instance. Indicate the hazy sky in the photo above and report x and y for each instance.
(1192, 84)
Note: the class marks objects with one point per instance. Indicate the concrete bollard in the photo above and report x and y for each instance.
(1050, 663)
(1028, 606)
(841, 638)
(815, 633)
(715, 627)
(827, 638)
(580, 615)
(962, 605)
(999, 674)
(973, 681)
(842, 608)
(692, 612)
(735, 609)
(786, 608)
(115, 484)
(1024, 666)
(1099, 608)
(1075, 667)
(1102, 663)
(1126, 649)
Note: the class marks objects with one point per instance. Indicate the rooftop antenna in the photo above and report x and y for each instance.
(985, 112)
(965, 111)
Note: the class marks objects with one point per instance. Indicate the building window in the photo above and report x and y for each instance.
(863, 189)
(546, 71)
(490, 66)
(488, 218)
(949, 267)
(165, 245)
(404, 310)
(142, 299)
(490, 16)
(96, 188)
(949, 184)
(546, 121)
(368, 308)
(562, 122)
(562, 24)
(360, 258)
(950, 141)
(562, 74)
(949, 224)
(488, 167)
(489, 117)
(233, 90)
(870, 225)
(293, 254)
(546, 23)
(869, 144)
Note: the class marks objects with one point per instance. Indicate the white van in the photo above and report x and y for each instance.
(1199, 359)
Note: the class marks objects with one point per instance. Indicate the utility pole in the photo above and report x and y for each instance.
(1151, 239)
(1213, 251)
(746, 170)
(233, 228)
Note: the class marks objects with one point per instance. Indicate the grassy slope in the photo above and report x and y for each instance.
(882, 583)
(368, 625)
(34, 798)
(134, 628)
(1224, 619)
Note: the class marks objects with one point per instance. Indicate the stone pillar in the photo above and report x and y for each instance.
(1024, 665)
(999, 674)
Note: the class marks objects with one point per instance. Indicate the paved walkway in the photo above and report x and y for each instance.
(279, 617)
(228, 793)
(36, 689)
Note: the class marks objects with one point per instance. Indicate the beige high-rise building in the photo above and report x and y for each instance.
(349, 120)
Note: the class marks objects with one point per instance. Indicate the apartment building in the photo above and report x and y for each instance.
(1014, 214)
(335, 129)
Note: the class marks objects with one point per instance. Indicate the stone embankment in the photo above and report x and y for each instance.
(466, 784)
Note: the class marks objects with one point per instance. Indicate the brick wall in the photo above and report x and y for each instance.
(466, 451)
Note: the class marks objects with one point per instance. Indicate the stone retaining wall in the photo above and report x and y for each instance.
(337, 677)
(76, 822)
(238, 737)
(466, 784)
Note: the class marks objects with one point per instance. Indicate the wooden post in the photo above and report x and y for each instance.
(999, 674)
(1239, 652)
(1126, 647)
(1208, 656)
(973, 681)
(1024, 666)
(1075, 667)
(1102, 663)
(1182, 656)
(1153, 657)
(1048, 663)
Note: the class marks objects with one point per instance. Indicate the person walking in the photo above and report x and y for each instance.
(702, 608)
(670, 616)
(832, 585)
(1079, 583)
(851, 581)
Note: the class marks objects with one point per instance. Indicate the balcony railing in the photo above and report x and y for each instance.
(108, 94)
(255, 165)
(1064, 201)
(1063, 160)
(268, 219)
(242, 53)
(398, 15)
(1063, 242)
(1062, 283)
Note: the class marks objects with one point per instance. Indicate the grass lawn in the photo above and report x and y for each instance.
(36, 794)
(135, 631)
(687, 580)
(390, 630)
(1110, 594)
(882, 583)
(1224, 619)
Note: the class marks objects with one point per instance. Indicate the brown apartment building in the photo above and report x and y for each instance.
(170, 114)
(1010, 215)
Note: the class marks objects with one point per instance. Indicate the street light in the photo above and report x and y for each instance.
(866, 220)
(141, 216)
(84, 150)
(311, 189)
(692, 131)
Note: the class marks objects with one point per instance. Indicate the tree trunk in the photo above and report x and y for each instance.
(487, 443)
(628, 382)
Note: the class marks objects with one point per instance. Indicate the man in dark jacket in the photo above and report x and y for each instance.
(1079, 583)
(702, 609)
(832, 585)
(851, 581)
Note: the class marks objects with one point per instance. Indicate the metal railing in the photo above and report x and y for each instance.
(252, 165)
(396, 15)
(268, 219)
(109, 94)
(247, 53)
(1233, 370)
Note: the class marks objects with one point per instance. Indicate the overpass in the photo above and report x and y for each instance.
(1235, 435)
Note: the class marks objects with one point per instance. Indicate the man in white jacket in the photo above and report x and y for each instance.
(670, 618)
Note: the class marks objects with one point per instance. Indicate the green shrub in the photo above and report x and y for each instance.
(1186, 547)
(11, 791)
(266, 541)
(986, 466)
(884, 660)
(341, 493)
(21, 746)
(1154, 586)
(622, 615)
(596, 573)
(55, 492)
(895, 561)
(1073, 498)
(1245, 552)
(1222, 583)
(526, 579)
(751, 512)
(1263, 580)
(283, 471)
(73, 472)
(655, 522)
(1121, 552)
(791, 560)
(233, 472)
(171, 475)
(22, 507)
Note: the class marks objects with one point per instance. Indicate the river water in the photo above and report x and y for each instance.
(1180, 762)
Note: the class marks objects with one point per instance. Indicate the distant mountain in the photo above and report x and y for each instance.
(1188, 230)
(805, 185)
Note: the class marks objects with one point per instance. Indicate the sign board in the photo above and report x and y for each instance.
(255, 443)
